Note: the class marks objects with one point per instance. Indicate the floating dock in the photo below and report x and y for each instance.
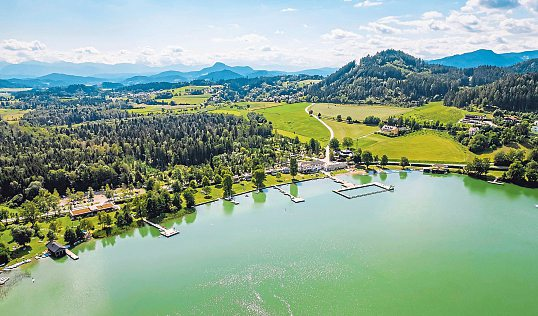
(383, 187)
(70, 254)
(163, 230)
(293, 198)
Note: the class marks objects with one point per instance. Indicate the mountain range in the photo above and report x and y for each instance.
(24, 74)
(484, 57)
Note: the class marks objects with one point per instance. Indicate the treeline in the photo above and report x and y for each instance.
(73, 115)
(119, 151)
(397, 78)
(514, 93)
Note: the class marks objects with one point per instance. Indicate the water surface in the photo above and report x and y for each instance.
(436, 245)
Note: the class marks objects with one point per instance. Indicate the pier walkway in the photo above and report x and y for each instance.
(293, 198)
(70, 254)
(347, 186)
(163, 230)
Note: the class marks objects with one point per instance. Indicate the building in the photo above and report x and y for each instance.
(345, 153)
(93, 210)
(335, 165)
(390, 130)
(534, 127)
(311, 166)
(473, 131)
(55, 249)
(511, 119)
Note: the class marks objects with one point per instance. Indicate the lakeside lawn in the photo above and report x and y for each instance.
(423, 146)
(357, 111)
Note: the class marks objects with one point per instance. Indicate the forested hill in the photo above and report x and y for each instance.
(515, 93)
(395, 77)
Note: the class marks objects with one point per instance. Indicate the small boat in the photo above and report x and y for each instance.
(3, 280)
(496, 181)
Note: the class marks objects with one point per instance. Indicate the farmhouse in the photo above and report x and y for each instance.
(93, 210)
(473, 131)
(55, 249)
(390, 130)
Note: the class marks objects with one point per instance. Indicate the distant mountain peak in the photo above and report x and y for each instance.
(485, 57)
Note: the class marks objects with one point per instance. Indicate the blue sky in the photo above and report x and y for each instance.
(281, 34)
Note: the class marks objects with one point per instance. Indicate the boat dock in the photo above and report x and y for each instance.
(342, 182)
(293, 198)
(70, 254)
(163, 230)
(231, 200)
(383, 187)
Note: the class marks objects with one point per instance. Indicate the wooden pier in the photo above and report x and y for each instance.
(383, 187)
(293, 198)
(163, 230)
(70, 254)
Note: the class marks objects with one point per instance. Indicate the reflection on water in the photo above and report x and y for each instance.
(294, 189)
(383, 176)
(403, 175)
(144, 231)
(259, 197)
(190, 218)
(228, 207)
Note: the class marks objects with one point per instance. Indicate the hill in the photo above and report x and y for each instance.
(484, 57)
(394, 77)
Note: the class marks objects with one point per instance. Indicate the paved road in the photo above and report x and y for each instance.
(327, 149)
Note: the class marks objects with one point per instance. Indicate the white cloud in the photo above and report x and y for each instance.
(339, 34)
(368, 3)
(288, 10)
(15, 45)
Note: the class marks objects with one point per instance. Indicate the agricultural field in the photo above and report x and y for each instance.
(424, 146)
(355, 131)
(12, 116)
(182, 95)
(436, 111)
(357, 112)
(294, 119)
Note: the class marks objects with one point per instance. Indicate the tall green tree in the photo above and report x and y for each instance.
(294, 168)
(227, 184)
(258, 177)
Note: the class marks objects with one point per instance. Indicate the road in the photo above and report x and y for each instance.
(327, 149)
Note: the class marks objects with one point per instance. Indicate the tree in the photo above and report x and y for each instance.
(108, 219)
(91, 194)
(384, 160)
(189, 198)
(21, 234)
(404, 162)
(516, 171)
(367, 158)
(349, 120)
(334, 144)
(531, 171)
(177, 201)
(51, 235)
(347, 142)
(4, 254)
(357, 156)
(258, 177)
(227, 183)
(478, 166)
(30, 212)
(218, 179)
(293, 167)
(339, 118)
(109, 194)
(70, 236)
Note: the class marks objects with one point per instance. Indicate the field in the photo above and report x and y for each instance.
(354, 131)
(357, 112)
(12, 115)
(182, 95)
(294, 119)
(436, 111)
(288, 119)
(424, 146)
(155, 109)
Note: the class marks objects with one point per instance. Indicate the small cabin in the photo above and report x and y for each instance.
(55, 249)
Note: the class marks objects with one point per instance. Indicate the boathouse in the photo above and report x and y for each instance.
(55, 249)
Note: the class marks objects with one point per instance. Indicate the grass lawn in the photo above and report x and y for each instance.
(436, 111)
(293, 118)
(423, 146)
(355, 131)
(492, 154)
(12, 116)
(357, 112)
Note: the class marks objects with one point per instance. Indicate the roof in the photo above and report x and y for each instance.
(82, 211)
(106, 206)
(53, 246)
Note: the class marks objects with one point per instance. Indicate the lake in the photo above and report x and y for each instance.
(448, 245)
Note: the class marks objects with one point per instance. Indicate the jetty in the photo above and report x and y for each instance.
(293, 198)
(381, 186)
(342, 182)
(231, 200)
(163, 230)
(70, 254)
